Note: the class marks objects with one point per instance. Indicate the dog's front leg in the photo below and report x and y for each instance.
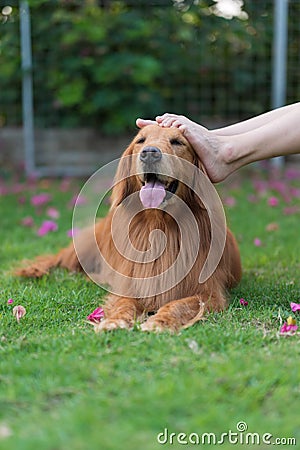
(120, 312)
(176, 315)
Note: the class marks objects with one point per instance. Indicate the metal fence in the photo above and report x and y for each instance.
(227, 83)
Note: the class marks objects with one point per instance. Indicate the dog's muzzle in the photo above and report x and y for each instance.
(150, 155)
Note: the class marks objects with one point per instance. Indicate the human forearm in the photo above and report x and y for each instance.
(222, 151)
(256, 122)
(281, 137)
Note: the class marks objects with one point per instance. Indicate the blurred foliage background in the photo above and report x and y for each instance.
(103, 63)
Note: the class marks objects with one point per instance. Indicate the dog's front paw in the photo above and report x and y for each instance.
(156, 327)
(111, 324)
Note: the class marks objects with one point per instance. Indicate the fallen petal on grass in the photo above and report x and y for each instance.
(295, 192)
(292, 174)
(257, 242)
(46, 227)
(27, 221)
(96, 316)
(53, 213)
(10, 301)
(273, 201)
(230, 201)
(243, 302)
(65, 185)
(288, 328)
(71, 233)
(289, 210)
(78, 200)
(19, 311)
(295, 306)
(282, 188)
(260, 186)
(193, 345)
(40, 199)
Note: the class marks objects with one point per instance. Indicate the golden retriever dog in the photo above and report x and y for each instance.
(155, 240)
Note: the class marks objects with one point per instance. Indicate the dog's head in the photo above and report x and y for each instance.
(153, 165)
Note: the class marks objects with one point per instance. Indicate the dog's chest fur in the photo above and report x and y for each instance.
(159, 254)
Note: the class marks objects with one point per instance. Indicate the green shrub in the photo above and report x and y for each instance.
(102, 64)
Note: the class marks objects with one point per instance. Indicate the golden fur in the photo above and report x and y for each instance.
(185, 302)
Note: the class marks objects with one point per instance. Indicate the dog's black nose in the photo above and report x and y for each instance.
(150, 154)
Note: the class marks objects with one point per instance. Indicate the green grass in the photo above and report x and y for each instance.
(63, 387)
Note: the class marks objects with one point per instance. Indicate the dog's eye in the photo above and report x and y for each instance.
(176, 142)
(141, 140)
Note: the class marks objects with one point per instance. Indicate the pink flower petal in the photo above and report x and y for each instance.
(17, 188)
(292, 174)
(46, 227)
(53, 213)
(71, 233)
(291, 210)
(282, 188)
(295, 192)
(65, 185)
(40, 199)
(243, 302)
(273, 201)
(295, 306)
(96, 316)
(230, 201)
(257, 242)
(78, 200)
(27, 221)
(10, 301)
(19, 311)
(260, 186)
(288, 328)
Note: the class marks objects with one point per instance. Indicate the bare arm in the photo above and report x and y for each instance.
(256, 122)
(225, 150)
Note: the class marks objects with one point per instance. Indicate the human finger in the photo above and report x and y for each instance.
(141, 123)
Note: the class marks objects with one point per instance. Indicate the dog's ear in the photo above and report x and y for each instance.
(123, 178)
(198, 163)
(197, 182)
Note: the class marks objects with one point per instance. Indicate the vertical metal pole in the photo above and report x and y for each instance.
(280, 40)
(27, 94)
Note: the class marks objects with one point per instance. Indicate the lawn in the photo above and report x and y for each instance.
(64, 387)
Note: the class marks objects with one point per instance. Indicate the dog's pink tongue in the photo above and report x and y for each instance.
(152, 194)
